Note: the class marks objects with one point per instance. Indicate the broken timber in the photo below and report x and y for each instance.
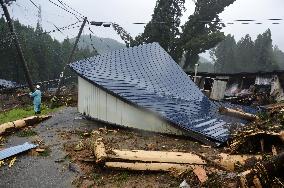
(161, 160)
(100, 151)
(251, 135)
(238, 114)
(265, 172)
(168, 167)
(22, 123)
(158, 156)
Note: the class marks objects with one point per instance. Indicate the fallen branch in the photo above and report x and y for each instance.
(30, 121)
(238, 114)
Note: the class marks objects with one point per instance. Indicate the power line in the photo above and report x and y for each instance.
(57, 28)
(100, 39)
(65, 9)
(34, 4)
(65, 5)
(64, 28)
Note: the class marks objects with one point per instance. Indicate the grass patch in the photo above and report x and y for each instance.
(98, 179)
(19, 113)
(26, 133)
(45, 153)
(123, 177)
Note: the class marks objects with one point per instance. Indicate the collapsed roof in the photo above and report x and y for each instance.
(146, 76)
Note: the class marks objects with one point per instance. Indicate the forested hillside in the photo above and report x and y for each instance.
(247, 55)
(45, 56)
(101, 45)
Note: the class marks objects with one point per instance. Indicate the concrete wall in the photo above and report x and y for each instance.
(98, 104)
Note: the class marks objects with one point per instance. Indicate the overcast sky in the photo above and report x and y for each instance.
(126, 12)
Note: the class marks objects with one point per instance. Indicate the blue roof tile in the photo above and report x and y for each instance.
(148, 77)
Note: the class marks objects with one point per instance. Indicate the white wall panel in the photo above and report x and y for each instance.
(96, 103)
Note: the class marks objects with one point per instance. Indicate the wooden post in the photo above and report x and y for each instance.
(17, 45)
(70, 58)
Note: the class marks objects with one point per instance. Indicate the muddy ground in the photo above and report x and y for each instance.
(68, 160)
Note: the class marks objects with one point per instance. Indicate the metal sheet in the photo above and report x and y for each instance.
(16, 150)
(7, 84)
(148, 77)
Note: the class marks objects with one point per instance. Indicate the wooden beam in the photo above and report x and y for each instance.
(167, 167)
(157, 156)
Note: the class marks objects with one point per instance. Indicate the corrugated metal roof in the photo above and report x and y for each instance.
(15, 150)
(148, 77)
(7, 84)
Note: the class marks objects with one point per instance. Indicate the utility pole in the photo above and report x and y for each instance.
(69, 61)
(195, 72)
(17, 45)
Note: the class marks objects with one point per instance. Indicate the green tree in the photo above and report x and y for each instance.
(279, 57)
(264, 58)
(202, 30)
(245, 55)
(225, 55)
(164, 26)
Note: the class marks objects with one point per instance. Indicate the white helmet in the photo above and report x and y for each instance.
(37, 86)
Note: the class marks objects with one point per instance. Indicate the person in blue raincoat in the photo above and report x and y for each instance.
(37, 99)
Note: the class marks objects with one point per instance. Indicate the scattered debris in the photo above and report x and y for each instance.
(79, 146)
(231, 161)
(264, 173)
(184, 184)
(16, 150)
(201, 174)
(12, 162)
(253, 136)
(74, 168)
(40, 150)
(178, 162)
(273, 150)
(2, 163)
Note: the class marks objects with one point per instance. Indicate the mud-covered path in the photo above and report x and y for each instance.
(50, 171)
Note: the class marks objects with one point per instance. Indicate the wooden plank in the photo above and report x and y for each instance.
(168, 167)
(157, 156)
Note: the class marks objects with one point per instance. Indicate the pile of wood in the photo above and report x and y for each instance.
(262, 173)
(141, 160)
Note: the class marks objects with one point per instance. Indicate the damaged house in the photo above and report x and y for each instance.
(144, 88)
(237, 85)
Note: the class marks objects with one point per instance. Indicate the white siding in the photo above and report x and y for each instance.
(218, 90)
(97, 104)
